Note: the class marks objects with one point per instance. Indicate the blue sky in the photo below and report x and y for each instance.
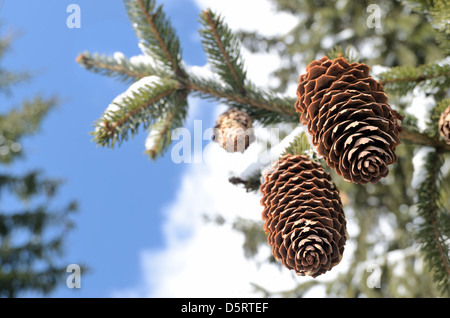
(120, 192)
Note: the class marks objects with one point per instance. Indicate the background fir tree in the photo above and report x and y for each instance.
(402, 221)
(32, 229)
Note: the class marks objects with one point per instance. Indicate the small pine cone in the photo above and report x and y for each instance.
(347, 114)
(444, 125)
(234, 131)
(303, 215)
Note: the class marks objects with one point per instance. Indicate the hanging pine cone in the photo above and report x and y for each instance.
(233, 130)
(444, 125)
(351, 123)
(303, 216)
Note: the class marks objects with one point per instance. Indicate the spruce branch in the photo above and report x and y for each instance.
(300, 146)
(263, 106)
(223, 50)
(439, 13)
(403, 79)
(143, 105)
(156, 33)
(413, 135)
(433, 235)
(160, 134)
(251, 183)
(119, 66)
(266, 107)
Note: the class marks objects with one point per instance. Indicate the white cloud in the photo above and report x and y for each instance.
(251, 15)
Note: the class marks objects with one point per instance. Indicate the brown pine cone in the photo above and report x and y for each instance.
(351, 123)
(444, 125)
(234, 131)
(303, 215)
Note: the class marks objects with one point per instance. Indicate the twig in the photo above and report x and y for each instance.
(150, 21)
(84, 60)
(422, 139)
(120, 122)
(224, 52)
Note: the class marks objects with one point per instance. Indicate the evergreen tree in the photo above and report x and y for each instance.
(32, 230)
(400, 225)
